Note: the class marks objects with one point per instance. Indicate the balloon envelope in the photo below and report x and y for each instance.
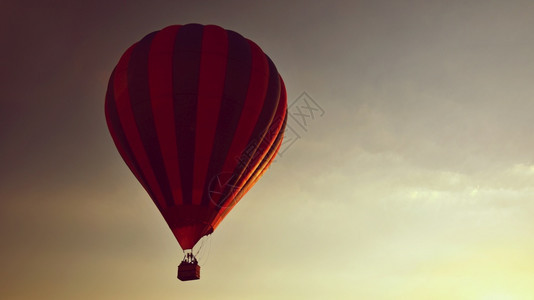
(198, 114)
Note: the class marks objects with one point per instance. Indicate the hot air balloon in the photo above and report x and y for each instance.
(198, 114)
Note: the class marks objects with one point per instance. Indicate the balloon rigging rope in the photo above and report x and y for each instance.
(209, 250)
(200, 248)
(201, 254)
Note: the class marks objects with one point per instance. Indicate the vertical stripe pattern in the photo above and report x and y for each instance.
(162, 101)
(197, 113)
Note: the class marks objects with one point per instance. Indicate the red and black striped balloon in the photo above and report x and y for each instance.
(198, 114)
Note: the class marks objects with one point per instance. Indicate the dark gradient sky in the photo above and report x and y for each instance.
(416, 183)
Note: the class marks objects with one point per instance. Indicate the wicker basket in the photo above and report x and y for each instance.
(188, 271)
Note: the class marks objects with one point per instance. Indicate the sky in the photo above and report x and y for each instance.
(413, 179)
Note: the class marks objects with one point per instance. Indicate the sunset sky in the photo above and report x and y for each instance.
(417, 181)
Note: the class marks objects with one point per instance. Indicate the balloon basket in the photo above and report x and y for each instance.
(189, 269)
